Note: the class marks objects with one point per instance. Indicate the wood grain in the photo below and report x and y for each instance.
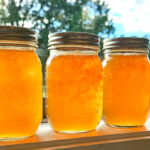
(47, 138)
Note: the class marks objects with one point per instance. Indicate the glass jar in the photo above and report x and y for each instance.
(74, 82)
(20, 83)
(126, 81)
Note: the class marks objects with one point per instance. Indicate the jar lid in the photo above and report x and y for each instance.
(17, 36)
(126, 44)
(73, 41)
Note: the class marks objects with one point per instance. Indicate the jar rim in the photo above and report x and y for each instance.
(125, 38)
(17, 36)
(78, 34)
(128, 44)
(73, 41)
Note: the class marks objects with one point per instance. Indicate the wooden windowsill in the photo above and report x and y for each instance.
(103, 137)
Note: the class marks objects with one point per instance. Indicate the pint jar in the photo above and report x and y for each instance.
(20, 83)
(74, 82)
(126, 81)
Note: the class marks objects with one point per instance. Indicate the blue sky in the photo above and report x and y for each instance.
(130, 17)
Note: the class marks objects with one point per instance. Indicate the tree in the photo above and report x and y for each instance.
(57, 15)
(71, 15)
(2, 12)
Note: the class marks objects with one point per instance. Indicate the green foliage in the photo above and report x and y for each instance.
(48, 16)
(2, 12)
(58, 15)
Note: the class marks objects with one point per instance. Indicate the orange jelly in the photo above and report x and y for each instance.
(126, 85)
(74, 100)
(20, 84)
(21, 93)
(74, 91)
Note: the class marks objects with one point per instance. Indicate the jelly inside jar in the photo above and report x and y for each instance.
(20, 93)
(74, 90)
(126, 89)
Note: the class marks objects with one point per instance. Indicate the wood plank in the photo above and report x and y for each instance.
(128, 144)
(46, 137)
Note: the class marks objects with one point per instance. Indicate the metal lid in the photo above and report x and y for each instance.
(73, 41)
(126, 44)
(17, 36)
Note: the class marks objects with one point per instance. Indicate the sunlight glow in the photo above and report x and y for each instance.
(132, 15)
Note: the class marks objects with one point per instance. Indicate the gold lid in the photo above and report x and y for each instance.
(126, 44)
(17, 36)
(73, 41)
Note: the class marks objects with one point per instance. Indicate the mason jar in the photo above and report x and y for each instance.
(74, 81)
(20, 83)
(126, 81)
